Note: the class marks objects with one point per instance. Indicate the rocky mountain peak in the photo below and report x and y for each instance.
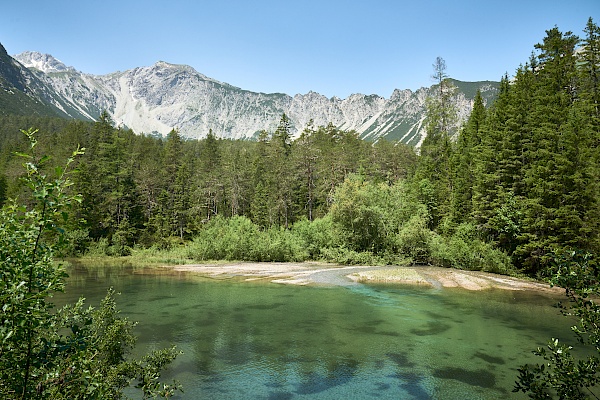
(42, 62)
(163, 96)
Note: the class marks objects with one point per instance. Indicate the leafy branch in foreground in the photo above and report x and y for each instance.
(74, 353)
(563, 374)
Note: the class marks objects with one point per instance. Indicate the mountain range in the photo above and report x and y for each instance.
(158, 98)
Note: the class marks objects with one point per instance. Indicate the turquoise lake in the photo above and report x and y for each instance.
(244, 340)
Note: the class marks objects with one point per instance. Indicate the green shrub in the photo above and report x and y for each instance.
(98, 248)
(281, 245)
(315, 236)
(495, 260)
(239, 239)
(224, 239)
(358, 214)
(463, 250)
(345, 256)
(414, 240)
(77, 351)
(77, 242)
(120, 244)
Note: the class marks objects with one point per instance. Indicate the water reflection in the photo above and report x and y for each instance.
(269, 341)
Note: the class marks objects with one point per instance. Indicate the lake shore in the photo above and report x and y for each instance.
(308, 273)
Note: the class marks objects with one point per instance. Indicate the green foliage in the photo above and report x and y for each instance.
(69, 354)
(358, 216)
(414, 240)
(225, 239)
(77, 242)
(317, 235)
(92, 360)
(566, 374)
(367, 216)
(464, 250)
(238, 239)
(345, 256)
(279, 244)
(535, 188)
(523, 171)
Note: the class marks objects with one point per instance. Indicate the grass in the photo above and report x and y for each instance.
(401, 274)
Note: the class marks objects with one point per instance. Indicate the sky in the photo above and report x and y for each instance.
(333, 47)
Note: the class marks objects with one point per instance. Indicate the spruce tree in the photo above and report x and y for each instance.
(210, 184)
(305, 160)
(436, 149)
(463, 162)
(280, 148)
(263, 198)
(554, 92)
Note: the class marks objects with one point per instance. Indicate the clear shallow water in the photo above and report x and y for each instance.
(269, 341)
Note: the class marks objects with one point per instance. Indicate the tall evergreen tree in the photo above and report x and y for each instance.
(210, 183)
(263, 200)
(469, 140)
(280, 148)
(306, 157)
(434, 162)
(554, 94)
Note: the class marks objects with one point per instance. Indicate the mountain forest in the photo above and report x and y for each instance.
(515, 185)
(514, 190)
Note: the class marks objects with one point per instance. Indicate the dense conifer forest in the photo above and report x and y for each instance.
(517, 184)
(515, 190)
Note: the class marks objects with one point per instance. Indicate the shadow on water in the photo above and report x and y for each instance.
(481, 378)
(431, 328)
(489, 359)
(412, 384)
(350, 340)
(271, 306)
(280, 396)
(339, 374)
(401, 360)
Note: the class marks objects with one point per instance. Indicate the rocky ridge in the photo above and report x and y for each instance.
(164, 96)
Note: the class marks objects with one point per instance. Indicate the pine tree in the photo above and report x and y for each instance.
(589, 78)
(280, 148)
(107, 182)
(263, 199)
(554, 92)
(237, 170)
(306, 157)
(495, 206)
(463, 162)
(434, 161)
(210, 183)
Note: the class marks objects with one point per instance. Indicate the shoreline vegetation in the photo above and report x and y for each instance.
(510, 196)
(510, 191)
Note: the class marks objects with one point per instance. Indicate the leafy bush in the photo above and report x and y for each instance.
(225, 239)
(98, 248)
(463, 250)
(368, 216)
(120, 244)
(414, 240)
(357, 214)
(239, 239)
(278, 244)
(345, 256)
(74, 353)
(77, 242)
(565, 373)
(315, 236)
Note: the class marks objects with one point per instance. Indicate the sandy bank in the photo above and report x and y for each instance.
(322, 273)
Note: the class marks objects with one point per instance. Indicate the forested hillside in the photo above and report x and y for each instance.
(518, 184)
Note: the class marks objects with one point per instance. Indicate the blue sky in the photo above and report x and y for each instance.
(336, 47)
